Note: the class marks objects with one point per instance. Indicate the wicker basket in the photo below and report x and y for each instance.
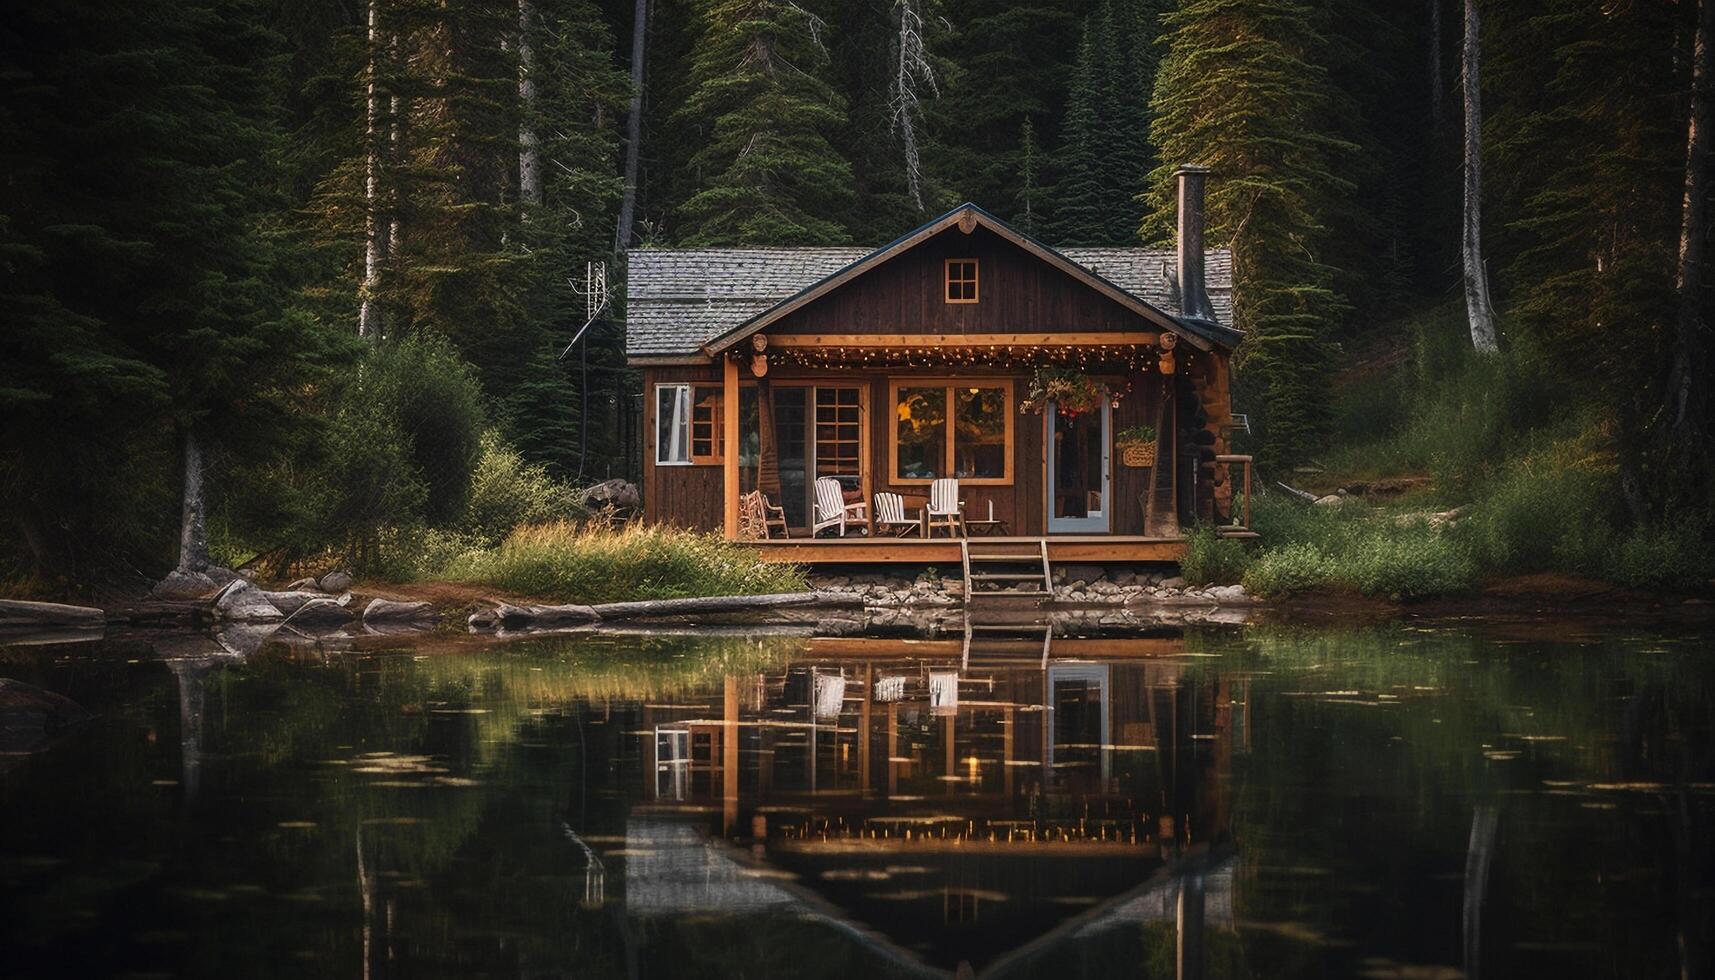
(1138, 454)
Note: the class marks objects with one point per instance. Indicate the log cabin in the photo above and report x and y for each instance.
(1078, 396)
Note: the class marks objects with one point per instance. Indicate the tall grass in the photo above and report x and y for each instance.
(1353, 548)
(595, 563)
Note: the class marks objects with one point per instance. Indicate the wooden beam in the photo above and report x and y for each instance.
(1115, 339)
(729, 409)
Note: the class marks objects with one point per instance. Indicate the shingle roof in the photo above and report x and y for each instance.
(679, 299)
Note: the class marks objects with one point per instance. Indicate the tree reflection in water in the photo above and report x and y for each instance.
(1257, 802)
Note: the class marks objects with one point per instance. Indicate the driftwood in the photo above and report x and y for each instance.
(514, 617)
(1300, 494)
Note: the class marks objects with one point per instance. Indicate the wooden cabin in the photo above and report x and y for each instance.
(766, 369)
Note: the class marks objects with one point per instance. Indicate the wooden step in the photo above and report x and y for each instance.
(1006, 576)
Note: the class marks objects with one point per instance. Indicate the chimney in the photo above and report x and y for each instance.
(1193, 294)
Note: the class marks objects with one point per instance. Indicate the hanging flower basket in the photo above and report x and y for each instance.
(1071, 392)
(1137, 445)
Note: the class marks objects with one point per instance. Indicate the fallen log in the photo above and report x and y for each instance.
(22, 613)
(719, 604)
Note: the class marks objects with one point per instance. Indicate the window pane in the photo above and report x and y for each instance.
(921, 428)
(837, 434)
(707, 418)
(979, 443)
(672, 423)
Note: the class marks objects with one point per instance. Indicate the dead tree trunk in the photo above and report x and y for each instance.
(193, 526)
(368, 325)
(529, 153)
(1480, 311)
(1686, 392)
(633, 126)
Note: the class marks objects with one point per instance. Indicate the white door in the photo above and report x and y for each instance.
(1079, 491)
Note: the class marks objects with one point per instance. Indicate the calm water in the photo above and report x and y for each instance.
(1388, 802)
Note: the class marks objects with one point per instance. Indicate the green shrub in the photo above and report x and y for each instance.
(1213, 560)
(1666, 556)
(507, 493)
(1289, 569)
(594, 563)
(1413, 561)
(433, 399)
(1539, 518)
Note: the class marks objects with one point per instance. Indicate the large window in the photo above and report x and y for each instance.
(952, 428)
(689, 425)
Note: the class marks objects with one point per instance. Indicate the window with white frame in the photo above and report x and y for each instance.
(673, 425)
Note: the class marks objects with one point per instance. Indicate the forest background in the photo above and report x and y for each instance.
(296, 278)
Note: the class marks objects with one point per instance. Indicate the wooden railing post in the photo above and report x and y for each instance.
(729, 411)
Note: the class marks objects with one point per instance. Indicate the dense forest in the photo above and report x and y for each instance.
(285, 277)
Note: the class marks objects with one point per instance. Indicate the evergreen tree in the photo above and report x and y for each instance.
(1028, 199)
(150, 324)
(1081, 191)
(1261, 122)
(1007, 61)
(769, 173)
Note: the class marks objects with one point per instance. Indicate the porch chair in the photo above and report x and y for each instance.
(890, 516)
(943, 507)
(757, 518)
(832, 509)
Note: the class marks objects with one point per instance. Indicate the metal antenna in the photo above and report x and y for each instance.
(595, 296)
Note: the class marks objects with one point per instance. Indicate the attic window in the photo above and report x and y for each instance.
(961, 280)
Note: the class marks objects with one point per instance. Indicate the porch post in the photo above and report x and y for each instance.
(729, 409)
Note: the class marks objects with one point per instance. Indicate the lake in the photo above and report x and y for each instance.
(1404, 800)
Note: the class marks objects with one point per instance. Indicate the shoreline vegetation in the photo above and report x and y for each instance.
(1496, 473)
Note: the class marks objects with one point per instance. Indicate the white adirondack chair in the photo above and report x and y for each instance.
(832, 509)
(890, 516)
(944, 508)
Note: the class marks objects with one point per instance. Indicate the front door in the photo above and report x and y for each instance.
(1078, 485)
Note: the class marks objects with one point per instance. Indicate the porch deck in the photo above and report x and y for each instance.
(1091, 548)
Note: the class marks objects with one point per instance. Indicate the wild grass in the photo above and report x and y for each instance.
(1353, 548)
(1213, 560)
(589, 563)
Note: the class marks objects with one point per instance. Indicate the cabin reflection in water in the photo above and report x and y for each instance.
(955, 798)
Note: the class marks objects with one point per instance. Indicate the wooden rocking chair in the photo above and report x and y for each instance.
(757, 518)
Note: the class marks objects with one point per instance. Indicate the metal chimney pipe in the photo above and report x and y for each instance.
(1193, 292)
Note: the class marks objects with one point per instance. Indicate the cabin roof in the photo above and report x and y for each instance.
(679, 300)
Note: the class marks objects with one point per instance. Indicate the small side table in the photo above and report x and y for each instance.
(992, 527)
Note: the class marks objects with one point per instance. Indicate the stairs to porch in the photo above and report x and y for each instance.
(1006, 568)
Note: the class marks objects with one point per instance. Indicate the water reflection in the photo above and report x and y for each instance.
(1388, 802)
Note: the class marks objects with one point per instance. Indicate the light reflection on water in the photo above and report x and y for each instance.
(1383, 801)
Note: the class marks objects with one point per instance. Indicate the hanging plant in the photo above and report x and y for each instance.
(1072, 392)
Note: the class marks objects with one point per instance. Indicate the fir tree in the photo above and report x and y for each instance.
(1081, 189)
(1027, 201)
(769, 172)
(1261, 122)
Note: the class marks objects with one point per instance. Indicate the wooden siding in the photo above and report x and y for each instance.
(906, 295)
(685, 496)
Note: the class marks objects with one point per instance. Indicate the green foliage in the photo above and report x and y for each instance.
(1213, 560)
(1539, 518)
(765, 115)
(1265, 123)
(595, 563)
(1350, 548)
(506, 493)
(1674, 557)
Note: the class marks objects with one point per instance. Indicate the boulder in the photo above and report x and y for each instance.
(616, 495)
(304, 584)
(241, 602)
(182, 584)
(20, 613)
(319, 615)
(335, 581)
(1176, 582)
(483, 619)
(389, 611)
(221, 576)
(1227, 594)
(291, 602)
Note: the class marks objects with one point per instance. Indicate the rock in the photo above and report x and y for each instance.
(1229, 594)
(180, 584)
(20, 613)
(31, 719)
(335, 581)
(1123, 576)
(1175, 582)
(345, 598)
(483, 619)
(1333, 500)
(241, 602)
(241, 640)
(319, 615)
(290, 602)
(389, 611)
(222, 576)
(615, 495)
(303, 584)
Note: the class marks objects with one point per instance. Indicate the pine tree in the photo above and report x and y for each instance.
(1080, 190)
(1028, 199)
(1261, 122)
(769, 173)
(1007, 61)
